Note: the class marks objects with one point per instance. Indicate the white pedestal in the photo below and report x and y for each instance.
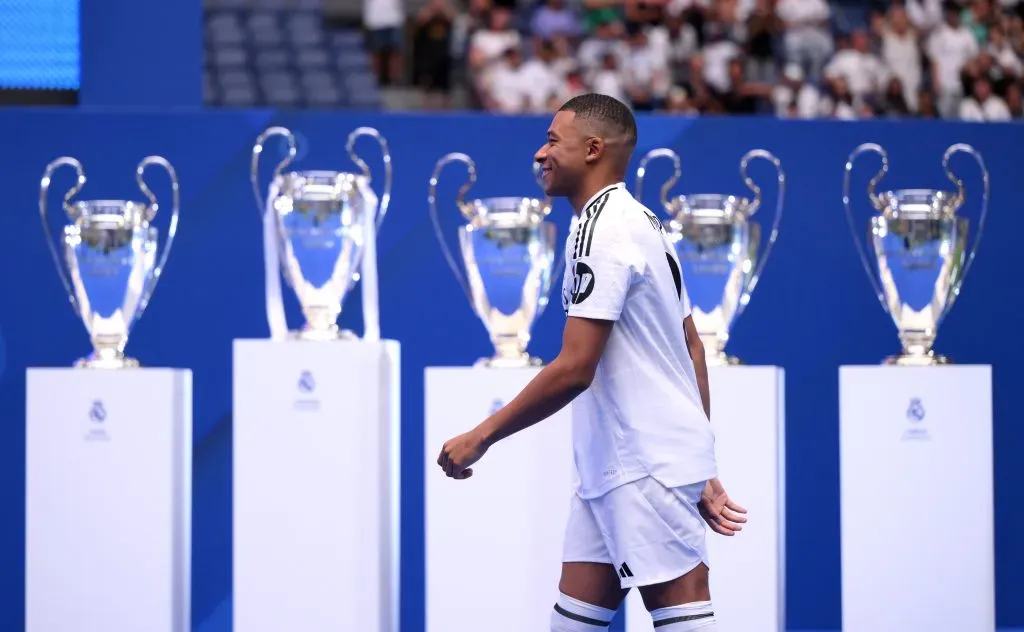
(108, 499)
(916, 498)
(748, 569)
(494, 541)
(316, 467)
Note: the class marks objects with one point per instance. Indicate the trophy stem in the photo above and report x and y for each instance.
(105, 357)
(714, 351)
(511, 354)
(917, 351)
(322, 325)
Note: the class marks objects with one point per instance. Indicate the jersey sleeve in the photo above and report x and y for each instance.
(603, 271)
(685, 298)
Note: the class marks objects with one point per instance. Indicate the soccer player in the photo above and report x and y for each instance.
(633, 367)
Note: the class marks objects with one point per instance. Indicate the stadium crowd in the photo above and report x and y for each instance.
(790, 58)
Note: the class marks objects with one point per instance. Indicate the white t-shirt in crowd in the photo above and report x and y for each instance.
(492, 44)
(383, 14)
(802, 13)
(993, 109)
(642, 415)
(609, 83)
(903, 57)
(863, 72)
(542, 82)
(949, 49)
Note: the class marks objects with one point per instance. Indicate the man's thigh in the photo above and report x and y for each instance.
(592, 583)
(688, 588)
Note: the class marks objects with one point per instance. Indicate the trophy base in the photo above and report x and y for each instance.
(103, 361)
(917, 359)
(720, 358)
(509, 362)
(323, 335)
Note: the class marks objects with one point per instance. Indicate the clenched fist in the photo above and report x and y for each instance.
(460, 452)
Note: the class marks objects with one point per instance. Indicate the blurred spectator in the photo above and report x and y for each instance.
(743, 97)
(488, 45)
(898, 58)
(763, 28)
(807, 40)
(646, 72)
(982, 105)
(794, 97)
(553, 19)
(949, 47)
(384, 20)
(432, 58)
(901, 54)
(862, 71)
(925, 15)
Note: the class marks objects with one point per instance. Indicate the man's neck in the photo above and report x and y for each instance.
(587, 191)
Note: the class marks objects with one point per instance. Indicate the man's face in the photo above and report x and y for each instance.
(563, 158)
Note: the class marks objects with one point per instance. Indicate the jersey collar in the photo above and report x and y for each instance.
(589, 207)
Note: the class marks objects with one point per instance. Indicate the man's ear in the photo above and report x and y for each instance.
(595, 148)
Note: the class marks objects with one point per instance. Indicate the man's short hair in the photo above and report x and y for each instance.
(608, 112)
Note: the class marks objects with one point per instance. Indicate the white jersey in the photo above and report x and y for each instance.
(642, 415)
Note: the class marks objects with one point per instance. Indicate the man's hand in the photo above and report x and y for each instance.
(722, 514)
(461, 452)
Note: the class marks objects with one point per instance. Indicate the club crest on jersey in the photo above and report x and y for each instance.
(582, 282)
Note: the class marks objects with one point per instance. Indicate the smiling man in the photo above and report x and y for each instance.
(633, 368)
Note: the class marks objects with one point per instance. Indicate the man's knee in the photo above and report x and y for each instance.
(697, 615)
(573, 615)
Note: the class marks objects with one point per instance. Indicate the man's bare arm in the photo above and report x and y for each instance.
(557, 384)
(696, 349)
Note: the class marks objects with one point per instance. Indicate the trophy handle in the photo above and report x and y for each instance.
(960, 196)
(461, 202)
(257, 150)
(44, 187)
(876, 202)
(385, 198)
(154, 207)
(642, 171)
(767, 155)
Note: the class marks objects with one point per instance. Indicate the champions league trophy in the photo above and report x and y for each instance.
(508, 250)
(320, 231)
(920, 252)
(717, 245)
(110, 250)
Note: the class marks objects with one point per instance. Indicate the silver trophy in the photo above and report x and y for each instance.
(110, 255)
(717, 244)
(322, 226)
(920, 249)
(508, 250)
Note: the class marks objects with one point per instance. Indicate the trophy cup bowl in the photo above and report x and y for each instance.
(319, 220)
(508, 250)
(920, 251)
(110, 256)
(717, 244)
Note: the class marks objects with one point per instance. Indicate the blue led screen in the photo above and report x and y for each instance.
(40, 44)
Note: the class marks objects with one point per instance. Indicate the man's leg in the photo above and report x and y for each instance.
(589, 595)
(658, 546)
(681, 604)
(588, 591)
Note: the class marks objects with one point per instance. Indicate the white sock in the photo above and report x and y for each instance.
(697, 615)
(572, 615)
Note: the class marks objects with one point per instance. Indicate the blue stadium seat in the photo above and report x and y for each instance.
(280, 53)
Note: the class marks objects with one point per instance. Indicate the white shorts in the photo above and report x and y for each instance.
(648, 532)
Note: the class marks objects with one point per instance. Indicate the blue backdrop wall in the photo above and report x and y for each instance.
(813, 311)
